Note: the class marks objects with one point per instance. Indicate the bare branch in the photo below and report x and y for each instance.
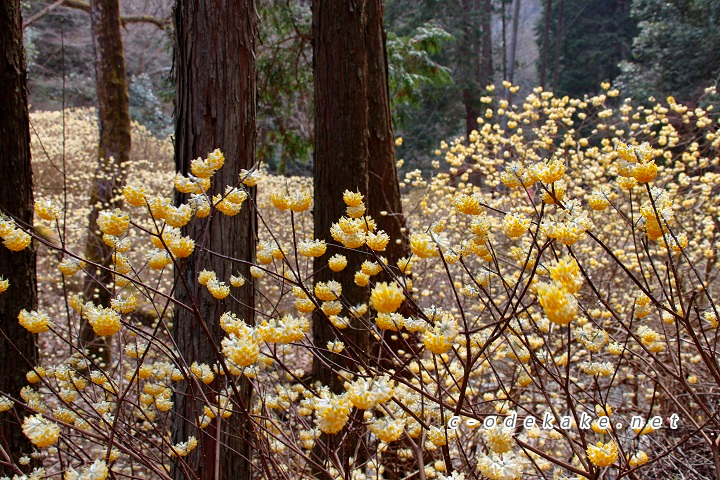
(160, 23)
(41, 13)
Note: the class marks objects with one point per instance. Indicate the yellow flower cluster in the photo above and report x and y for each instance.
(113, 222)
(70, 266)
(182, 449)
(386, 297)
(602, 455)
(332, 413)
(230, 203)
(337, 262)
(98, 470)
(41, 431)
(386, 429)
(33, 321)
(104, 321)
(46, 209)
(14, 238)
(367, 393)
(240, 347)
(282, 331)
(312, 248)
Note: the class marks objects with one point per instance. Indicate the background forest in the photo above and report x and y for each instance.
(360, 239)
(437, 62)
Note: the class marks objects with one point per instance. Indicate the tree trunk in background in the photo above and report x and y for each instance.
(341, 147)
(558, 45)
(18, 351)
(341, 159)
(384, 199)
(485, 76)
(215, 108)
(383, 185)
(545, 43)
(469, 57)
(513, 47)
(115, 143)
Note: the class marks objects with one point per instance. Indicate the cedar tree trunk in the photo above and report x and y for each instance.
(215, 108)
(341, 157)
(18, 351)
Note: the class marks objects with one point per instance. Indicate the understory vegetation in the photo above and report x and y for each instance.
(564, 268)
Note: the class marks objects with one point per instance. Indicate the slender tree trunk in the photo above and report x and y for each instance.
(503, 16)
(341, 160)
(470, 61)
(18, 351)
(558, 45)
(513, 44)
(215, 108)
(113, 155)
(384, 200)
(486, 64)
(545, 44)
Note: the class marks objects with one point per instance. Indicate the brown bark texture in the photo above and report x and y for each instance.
(18, 350)
(113, 155)
(384, 199)
(545, 48)
(341, 154)
(475, 51)
(215, 108)
(383, 185)
(341, 160)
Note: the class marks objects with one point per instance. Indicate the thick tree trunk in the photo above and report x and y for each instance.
(215, 108)
(18, 351)
(113, 154)
(341, 148)
(340, 163)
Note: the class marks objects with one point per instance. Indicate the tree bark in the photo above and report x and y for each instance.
(113, 155)
(486, 64)
(341, 148)
(215, 108)
(18, 351)
(341, 157)
(384, 200)
(545, 44)
(558, 45)
(469, 52)
(513, 47)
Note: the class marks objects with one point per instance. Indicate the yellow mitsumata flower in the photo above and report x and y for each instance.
(386, 297)
(327, 291)
(46, 210)
(14, 238)
(182, 449)
(34, 322)
(337, 262)
(515, 225)
(352, 199)
(41, 431)
(113, 222)
(603, 455)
